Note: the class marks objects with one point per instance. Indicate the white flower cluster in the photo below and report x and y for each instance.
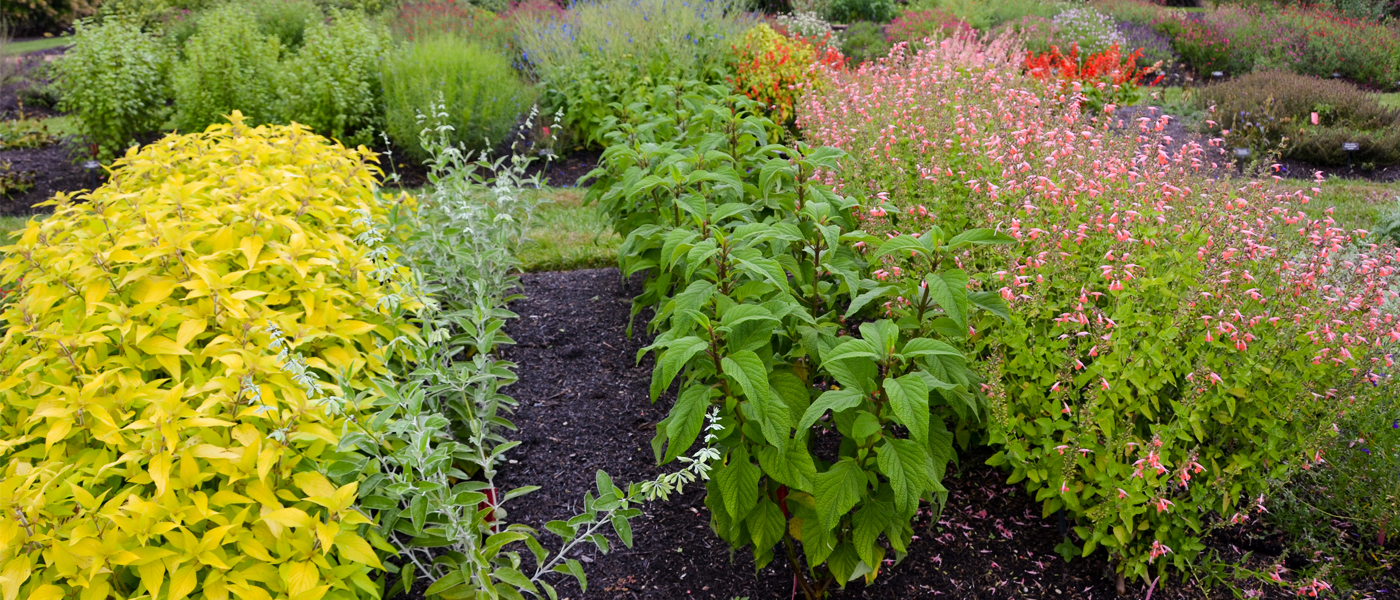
(1091, 29)
(808, 25)
(697, 467)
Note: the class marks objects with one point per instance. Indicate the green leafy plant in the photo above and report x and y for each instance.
(602, 55)
(113, 81)
(483, 94)
(25, 133)
(760, 285)
(288, 20)
(228, 65)
(851, 11)
(864, 41)
(332, 83)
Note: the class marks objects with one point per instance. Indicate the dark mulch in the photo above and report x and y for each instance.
(54, 172)
(584, 406)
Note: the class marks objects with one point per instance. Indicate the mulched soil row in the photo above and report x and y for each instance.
(584, 406)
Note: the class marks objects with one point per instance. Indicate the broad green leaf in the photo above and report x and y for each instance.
(949, 290)
(766, 524)
(991, 302)
(909, 399)
(672, 360)
(910, 471)
(793, 468)
(746, 369)
(902, 246)
(738, 483)
(686, 420)
(832, 400)
(882, 334)
(838, 490)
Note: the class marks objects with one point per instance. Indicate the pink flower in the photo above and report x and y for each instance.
(1314, 118)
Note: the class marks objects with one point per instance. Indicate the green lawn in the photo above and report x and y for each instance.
(567, 235)
(35, 45)
(1355, 204)
(1391, 100)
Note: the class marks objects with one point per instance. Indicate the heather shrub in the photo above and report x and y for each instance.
(1272, 112)
(228, 65)
(482, 94)
(113, 81)
(1306, 40)
(916, 25)
(332, 83)
(155, 296)
(601, 52)
(864, 41)
(1178, 346)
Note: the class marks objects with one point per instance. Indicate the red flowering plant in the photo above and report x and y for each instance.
(1178, 347)
(1105, 78)
(776, 69)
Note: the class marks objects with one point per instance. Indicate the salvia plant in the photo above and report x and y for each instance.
(770, 312)
(1179, 347)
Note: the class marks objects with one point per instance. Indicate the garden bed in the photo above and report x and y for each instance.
(583, 407)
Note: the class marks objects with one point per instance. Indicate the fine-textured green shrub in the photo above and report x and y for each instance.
(285, 20)
(482, 93)
(113, 81)
(228, 65)
(602, 51)
(864, 41)
(850, 11)
(1273, 112)
(332, 82)
(159, 398)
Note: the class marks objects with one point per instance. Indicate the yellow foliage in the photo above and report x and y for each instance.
(138, 394)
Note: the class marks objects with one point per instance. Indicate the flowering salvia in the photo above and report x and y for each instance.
(1179, 342)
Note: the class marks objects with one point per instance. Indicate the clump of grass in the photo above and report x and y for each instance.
(567, 235)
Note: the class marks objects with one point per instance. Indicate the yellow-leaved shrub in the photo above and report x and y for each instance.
(152, 444)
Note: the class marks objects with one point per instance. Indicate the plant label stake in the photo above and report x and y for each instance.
(94, 171)
(1241, 154)
(1350, 148)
